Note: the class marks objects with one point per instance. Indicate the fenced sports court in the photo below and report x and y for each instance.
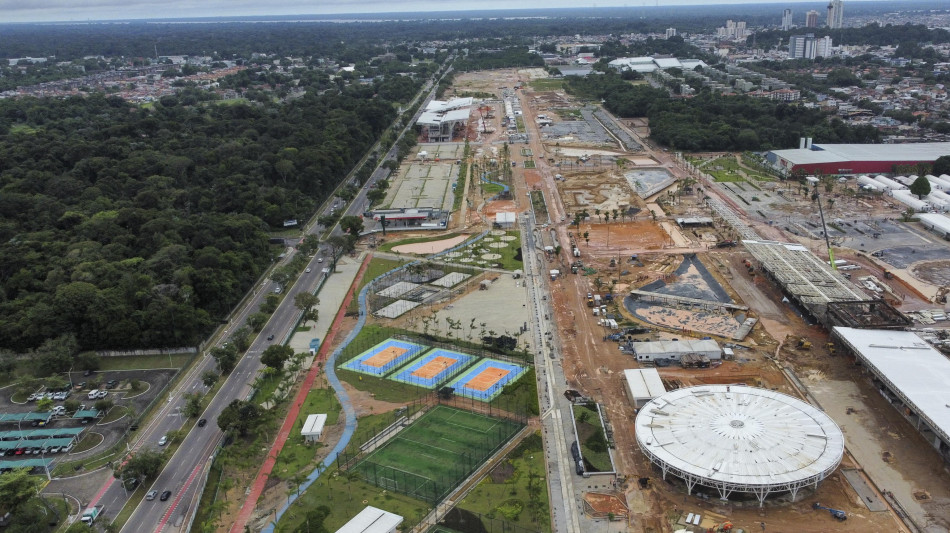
(384, 357)
(431, 456)
(486, 380)
(434, 368)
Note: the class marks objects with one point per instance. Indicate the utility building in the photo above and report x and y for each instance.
(372, 520)
(643, 384)
(651, 351)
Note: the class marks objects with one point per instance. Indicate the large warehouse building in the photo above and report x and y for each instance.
(910, 373)
(855, 158)
(735, 438)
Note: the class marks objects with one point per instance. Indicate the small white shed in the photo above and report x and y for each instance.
(313, 427)
(372, 520)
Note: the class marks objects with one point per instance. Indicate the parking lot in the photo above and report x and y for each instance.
(129, 402)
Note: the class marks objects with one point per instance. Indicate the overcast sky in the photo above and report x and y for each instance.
(84, 10)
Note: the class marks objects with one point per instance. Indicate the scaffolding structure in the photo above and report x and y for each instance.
(804, 276)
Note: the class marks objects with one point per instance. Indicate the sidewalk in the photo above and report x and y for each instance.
(331, 295)
(355, 269)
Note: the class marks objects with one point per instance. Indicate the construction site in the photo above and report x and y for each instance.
(641, 271)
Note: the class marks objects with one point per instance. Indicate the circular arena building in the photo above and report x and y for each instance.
(735, 438)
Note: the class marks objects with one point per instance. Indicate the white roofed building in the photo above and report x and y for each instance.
(442, 120)
(312, 430)
(372, 520)
(505, 220)
(643, 384)
(910, 373)
(735, 438)
(651, 351)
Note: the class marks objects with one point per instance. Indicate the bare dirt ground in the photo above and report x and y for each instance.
(622, 237)
(596, 190)
(429, 247)
(594, 366)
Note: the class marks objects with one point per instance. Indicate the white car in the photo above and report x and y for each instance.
(319, 259)
(163, 441)
(308, 270)
(102, 394)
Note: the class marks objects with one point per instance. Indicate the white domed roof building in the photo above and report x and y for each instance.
(735, 438)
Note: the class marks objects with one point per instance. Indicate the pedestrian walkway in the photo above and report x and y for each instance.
(333, 292)
(257, 487)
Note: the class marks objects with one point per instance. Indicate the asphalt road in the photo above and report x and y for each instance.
(185, 469)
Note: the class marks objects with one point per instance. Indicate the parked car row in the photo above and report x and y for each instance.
(58, 395)
(37, 450)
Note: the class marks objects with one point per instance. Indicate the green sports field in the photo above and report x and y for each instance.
(436, 452)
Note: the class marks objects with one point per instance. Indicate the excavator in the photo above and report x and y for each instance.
(840, 516)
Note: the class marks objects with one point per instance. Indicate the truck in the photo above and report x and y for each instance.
(577, 253)
(597, 300)
(90, 514)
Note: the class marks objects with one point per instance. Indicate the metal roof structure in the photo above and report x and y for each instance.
(807, 278)
(24, 463)
(735, 438)
(643, 384)
(684, 346)
(834, 153)
(26, 417)
(372, 520)
(935, 222)
(313, 426)
(913, 370)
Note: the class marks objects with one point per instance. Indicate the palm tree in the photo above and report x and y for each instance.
(597, 212)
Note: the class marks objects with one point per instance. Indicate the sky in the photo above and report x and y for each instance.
(88, 10)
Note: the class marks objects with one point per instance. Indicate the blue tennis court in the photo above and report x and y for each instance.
(486, 379)
(434, 368)
(384, 357)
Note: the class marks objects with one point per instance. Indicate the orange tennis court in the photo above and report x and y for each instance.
(434, 368)
(384, 357)
(487, 379)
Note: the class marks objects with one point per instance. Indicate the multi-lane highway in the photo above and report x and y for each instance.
(184, 470)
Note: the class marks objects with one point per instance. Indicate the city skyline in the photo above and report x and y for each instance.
(16, 11)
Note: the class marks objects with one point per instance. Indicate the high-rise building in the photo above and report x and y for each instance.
(786, 20)
(732, 30)
(802, 46)
(823, 47)
(670, 32)
(811, 19)
(835, 14)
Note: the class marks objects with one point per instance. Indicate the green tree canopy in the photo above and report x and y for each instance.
(920, 187)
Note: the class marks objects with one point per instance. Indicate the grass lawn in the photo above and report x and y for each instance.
(297, 456)
(346, 496)
(529, 163)
(569, 114)
(114, 414)
(540, 208)
(547, 84)
(388, 246)
(515, 491)
(519, 121)
(382, 389)
(135, 362)
(91, 440)
(588, 426)
(377, 267)
(492, 188)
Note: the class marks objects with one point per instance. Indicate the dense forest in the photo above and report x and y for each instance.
(714, 122)
(134, 226)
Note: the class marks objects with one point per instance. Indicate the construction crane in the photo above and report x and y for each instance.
(840, 516)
